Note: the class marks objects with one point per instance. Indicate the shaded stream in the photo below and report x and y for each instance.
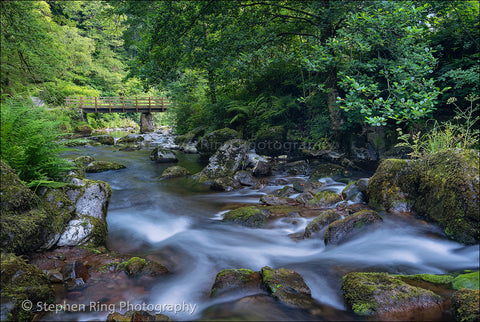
(178, 224)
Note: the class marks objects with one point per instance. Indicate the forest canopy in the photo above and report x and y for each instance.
(319, 69)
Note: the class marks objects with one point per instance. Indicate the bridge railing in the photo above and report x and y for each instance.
(119, 104)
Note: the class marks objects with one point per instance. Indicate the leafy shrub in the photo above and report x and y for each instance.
(28, 141)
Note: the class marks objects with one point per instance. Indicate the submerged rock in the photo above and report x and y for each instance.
(101, 166)
(341, 229)
(236, 280)
(163, 156)
(175, 171)
(385, 297)
(103, 139)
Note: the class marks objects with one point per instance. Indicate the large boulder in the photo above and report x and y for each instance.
(28, 221)
(341, 229)
(211, 142)
(384, 297)
(22, 284)
(442, 188)
(226, 161)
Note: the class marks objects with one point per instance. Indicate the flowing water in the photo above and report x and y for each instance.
(178, 223)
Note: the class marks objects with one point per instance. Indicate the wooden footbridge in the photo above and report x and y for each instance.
(119, 104)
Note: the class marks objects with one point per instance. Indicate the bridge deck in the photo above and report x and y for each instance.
(119, 104)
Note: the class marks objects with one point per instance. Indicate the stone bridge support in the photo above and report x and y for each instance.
(146, 123)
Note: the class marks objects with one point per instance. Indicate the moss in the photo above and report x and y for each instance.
(328, 170)
(466, 305)
(21, 281)
(235, 279)
(324, 199)
(249, 216)
(175, 171)
(321, 221)
(373, 293)
(341, 229)
(468, 281)
(100, 166)
(435, 279)
(137, 266)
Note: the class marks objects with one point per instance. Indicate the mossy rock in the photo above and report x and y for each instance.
(321, 221)
(466, 305)
(386, 297)
(324, 199)
(83, 129)
(131, 139)
(79, 142)
(443, 188)
(28, 221)
(160, 155)
(342, 229)
(21, 281)
(134, 316)
(104, 139)
(191, 136)
(227, 160)
(327, 170)
(234, 280)
(274, 200)
(249, 216)
(137, 266)
(213, 141)
(270, 141)
(288, 287)
(174, 172)
(468, 280)
(101, 166)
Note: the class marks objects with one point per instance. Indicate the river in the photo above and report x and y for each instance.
(178, 223)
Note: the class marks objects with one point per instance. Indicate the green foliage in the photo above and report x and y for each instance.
(462, 134)
(28, 141)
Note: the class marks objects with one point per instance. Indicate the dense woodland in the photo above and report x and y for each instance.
(324, 72)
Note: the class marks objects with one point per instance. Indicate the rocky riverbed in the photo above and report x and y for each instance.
(240, 235)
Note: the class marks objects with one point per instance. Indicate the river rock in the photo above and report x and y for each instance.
(273, 200)
(352, 192)
(226, 161)
(101, 166)
(384, 297)
(136, 267)
(213, 141)
(324, 199)
(134, 316)
(294, 168)
(341, 229)
(83, 130)
(103, 139)
(27, 221)
(235, 280)
(249, 216)
(304, 197)
(245, 178)
(262, 169)
(84, 159)
(21, 282)
(465, 305)
(321, 221)
(163, 156)
(131, 138)
(175, 171)
(288, 287)
(443, 188)
(225, 184)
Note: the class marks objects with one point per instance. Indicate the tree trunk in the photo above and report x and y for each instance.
(333, 108)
